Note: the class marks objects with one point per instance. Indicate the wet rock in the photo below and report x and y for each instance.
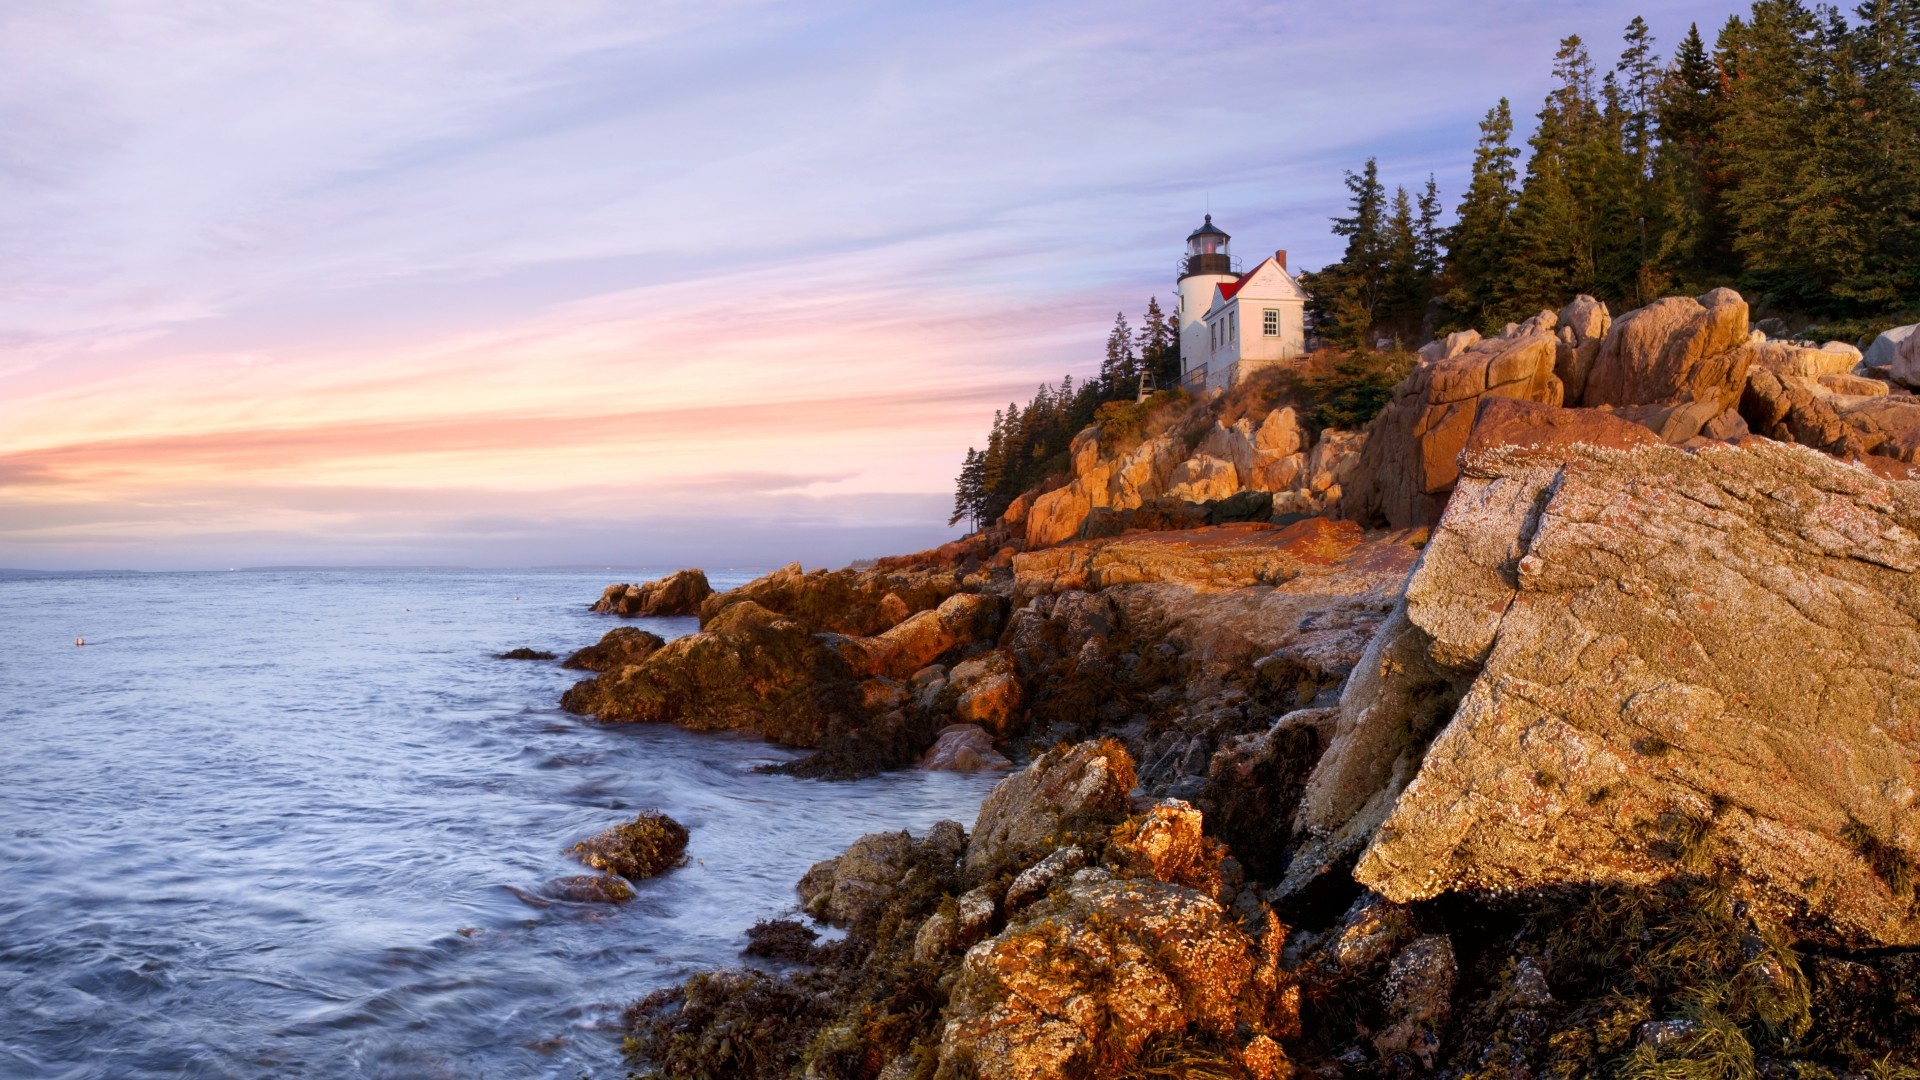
(618, 648)
(1065, 790)
(648, 846)
(679, 593)
(1372, 930)
(1419, 999)
(590, 889)
(523, 654)
(786, 940)
(857, 883)
(964, 748)
(1614, 618)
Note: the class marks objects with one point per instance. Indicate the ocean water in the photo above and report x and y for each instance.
(297, 824)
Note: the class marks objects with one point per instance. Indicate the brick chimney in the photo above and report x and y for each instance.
(1281, 258)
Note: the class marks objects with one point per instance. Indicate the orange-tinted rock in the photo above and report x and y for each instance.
(989, 692)
(1672, 350)
(1409, 461)
(679, 593)
(621, 646)
(1169, 844)
(1506, 422)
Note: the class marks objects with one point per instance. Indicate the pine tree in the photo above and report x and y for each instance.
(969, 495)
(1429, 238)
(1886, 50)
(1688, 234)
(1159, 346)
(1348, 294)
(1480, 244)
(1404, 298)
(1120, 367)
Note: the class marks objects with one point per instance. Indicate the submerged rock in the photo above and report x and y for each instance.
(619, 647)
(648, 846)
(523, 654)
(591, 889)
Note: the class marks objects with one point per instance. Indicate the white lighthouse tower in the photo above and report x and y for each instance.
(1208, 264)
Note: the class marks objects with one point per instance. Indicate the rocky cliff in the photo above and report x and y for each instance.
(1574, 733)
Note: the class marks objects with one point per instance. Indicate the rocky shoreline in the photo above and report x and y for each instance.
(1564, 722)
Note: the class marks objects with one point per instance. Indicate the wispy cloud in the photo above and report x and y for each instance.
(374, 247)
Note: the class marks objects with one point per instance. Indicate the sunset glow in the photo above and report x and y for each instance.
(583, 282)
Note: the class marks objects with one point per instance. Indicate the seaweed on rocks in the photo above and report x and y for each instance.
(648, 846)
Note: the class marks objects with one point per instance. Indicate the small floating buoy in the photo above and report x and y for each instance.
(79, 641)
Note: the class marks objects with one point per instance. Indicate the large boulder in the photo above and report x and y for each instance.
(1905, 368)
(1234, 445)
(1088, 982)
(1408, 465)
(846, 601)
(1143, 473)
(1082, 787)
(679, 593)
(1672, 350)
(959, 621)
(1584, 324)
(1203, 478)
(749, 670)
(1881, 353)
(1610, 623)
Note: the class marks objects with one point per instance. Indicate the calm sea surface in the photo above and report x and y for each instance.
(296, 824)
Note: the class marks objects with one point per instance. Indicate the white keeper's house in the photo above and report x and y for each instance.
(1233, 324)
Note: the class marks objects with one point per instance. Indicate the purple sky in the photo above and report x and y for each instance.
(517, 284)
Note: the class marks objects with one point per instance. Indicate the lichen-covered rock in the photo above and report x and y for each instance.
(1169, 844)
(1610, 622)
(618, 648)
(858, 882)
(1408, 464)
(679, 593)
(648, 846)
(1673, 350)
(1085, 984)
(1065, 790)
(1419, 999)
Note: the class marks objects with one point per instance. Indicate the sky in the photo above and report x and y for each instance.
(720, 283)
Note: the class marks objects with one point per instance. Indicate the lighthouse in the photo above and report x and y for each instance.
(1233, 325)
(1208, 265)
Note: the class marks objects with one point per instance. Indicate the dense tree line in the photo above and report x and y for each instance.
(1782, 160)
(1025, 445)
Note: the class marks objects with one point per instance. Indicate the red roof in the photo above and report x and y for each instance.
(1228, 288)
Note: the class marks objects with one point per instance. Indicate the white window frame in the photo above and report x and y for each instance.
(1270, 322)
